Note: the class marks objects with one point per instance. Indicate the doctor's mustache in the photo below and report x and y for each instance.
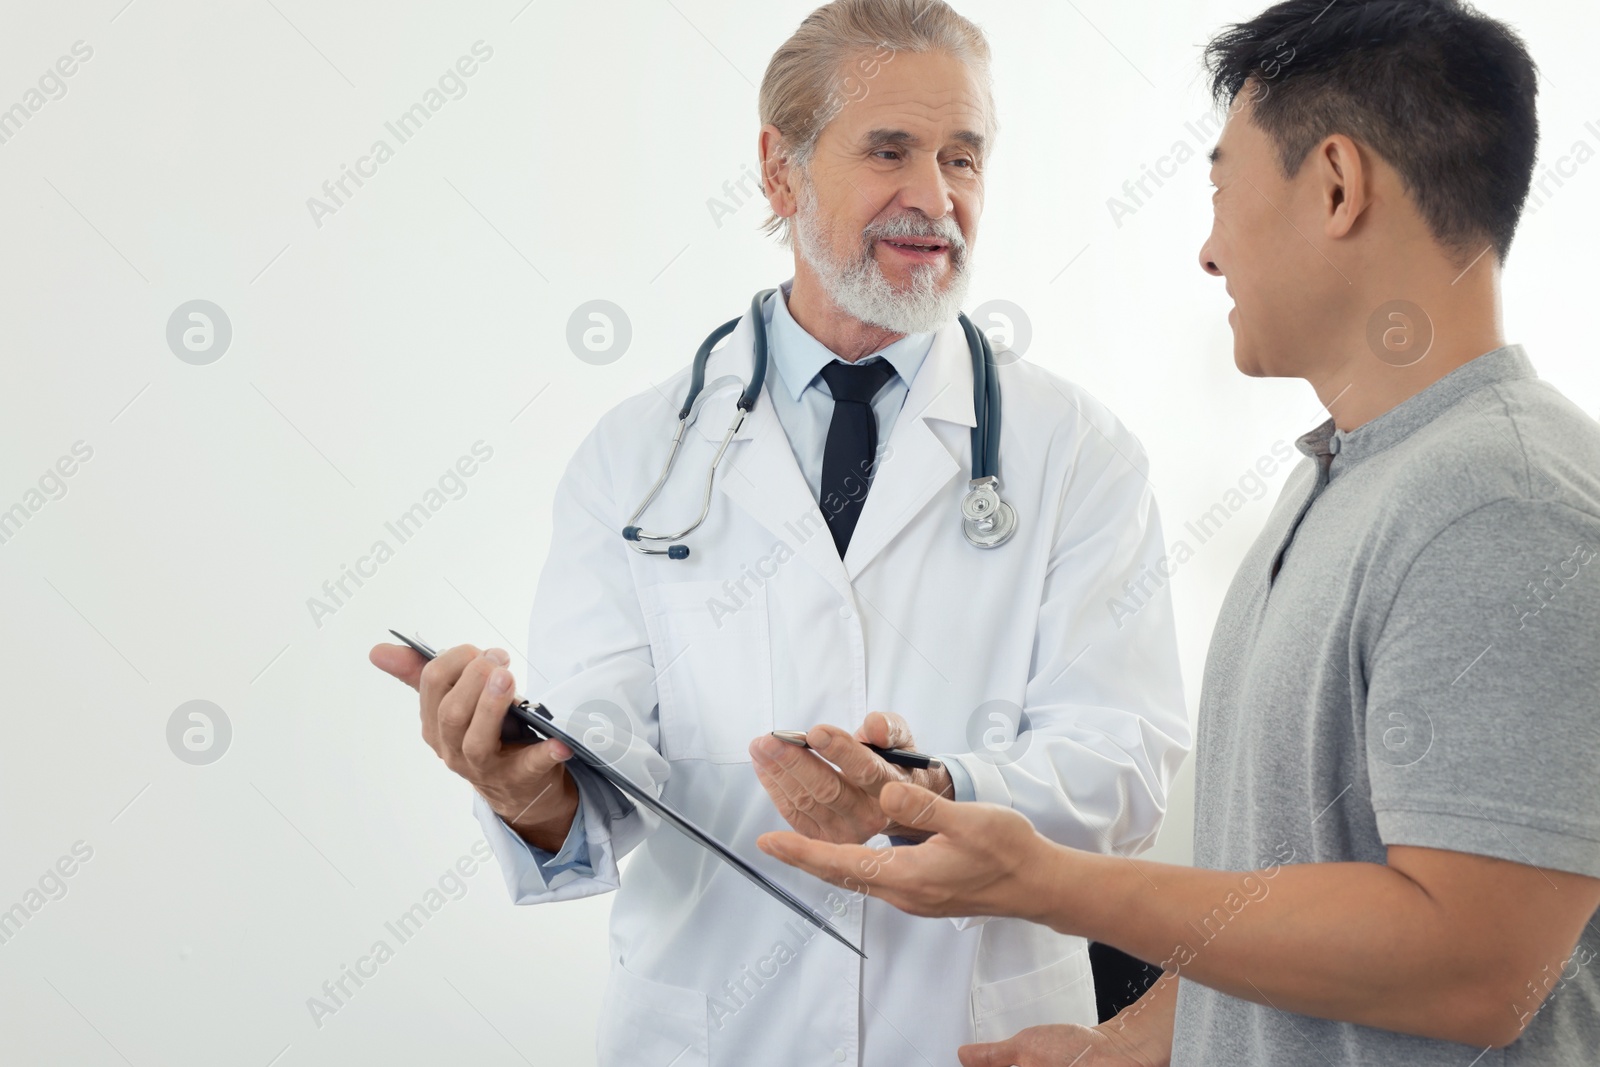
(914, 223)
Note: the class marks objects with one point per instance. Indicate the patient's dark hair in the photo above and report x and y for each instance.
(1442, 92)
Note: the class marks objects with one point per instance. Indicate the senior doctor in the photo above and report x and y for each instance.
(832, 589)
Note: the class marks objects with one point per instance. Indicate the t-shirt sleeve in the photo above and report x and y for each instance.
(1483, 700)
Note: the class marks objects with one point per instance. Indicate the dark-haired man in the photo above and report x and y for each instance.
(1398, 828)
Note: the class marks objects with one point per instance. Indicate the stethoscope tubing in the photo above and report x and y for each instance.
(985, 430)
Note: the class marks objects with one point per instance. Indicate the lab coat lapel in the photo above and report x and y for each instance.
(916, 465)
(760, 475)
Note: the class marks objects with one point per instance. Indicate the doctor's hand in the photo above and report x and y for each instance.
(464, 695)
(982, 860)
(830, 790)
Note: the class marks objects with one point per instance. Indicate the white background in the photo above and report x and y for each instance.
(372, 351)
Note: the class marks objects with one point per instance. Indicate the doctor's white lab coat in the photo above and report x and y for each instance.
(764, 627)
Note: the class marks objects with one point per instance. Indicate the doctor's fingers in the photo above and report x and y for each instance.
(438, 675)
(800, 809)
(480, 742)
(801, 822)
(460, 704)
(859, 765)
(810, 794)
(818, 790)
(886, 730)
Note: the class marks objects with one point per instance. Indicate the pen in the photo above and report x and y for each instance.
(900, 757)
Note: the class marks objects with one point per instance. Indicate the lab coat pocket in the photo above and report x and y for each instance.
(649, 1023)
(713, 669)
(1062, 992)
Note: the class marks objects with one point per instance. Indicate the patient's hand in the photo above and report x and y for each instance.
(1054, 1046)
(981, 860)
(1140, 1036)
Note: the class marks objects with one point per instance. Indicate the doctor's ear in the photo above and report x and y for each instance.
(779, 177)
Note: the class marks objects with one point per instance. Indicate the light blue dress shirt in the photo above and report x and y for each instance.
(801, 399)
(804, 407)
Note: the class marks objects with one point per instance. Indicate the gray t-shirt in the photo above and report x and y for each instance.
(1424, 669)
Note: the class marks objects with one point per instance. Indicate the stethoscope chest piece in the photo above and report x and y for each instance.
(987, 520)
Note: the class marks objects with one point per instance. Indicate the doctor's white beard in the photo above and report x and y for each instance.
(858, 287)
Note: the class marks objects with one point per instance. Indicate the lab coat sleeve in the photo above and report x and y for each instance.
(590, 666)
(1104, 700)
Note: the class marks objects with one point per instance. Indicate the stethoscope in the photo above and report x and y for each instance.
(987, 520)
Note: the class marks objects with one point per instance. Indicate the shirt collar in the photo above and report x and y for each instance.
(1405, 418)
(800, 357)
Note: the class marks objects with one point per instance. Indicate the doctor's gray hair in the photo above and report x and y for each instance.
(831, 59)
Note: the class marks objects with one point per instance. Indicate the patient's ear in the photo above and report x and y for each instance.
(1345, 177)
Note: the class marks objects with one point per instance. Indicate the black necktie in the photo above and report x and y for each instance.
(850, 457)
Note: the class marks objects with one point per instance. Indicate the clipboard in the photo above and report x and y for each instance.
(526, 722)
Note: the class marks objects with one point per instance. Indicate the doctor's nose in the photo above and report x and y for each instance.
(927, 191)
